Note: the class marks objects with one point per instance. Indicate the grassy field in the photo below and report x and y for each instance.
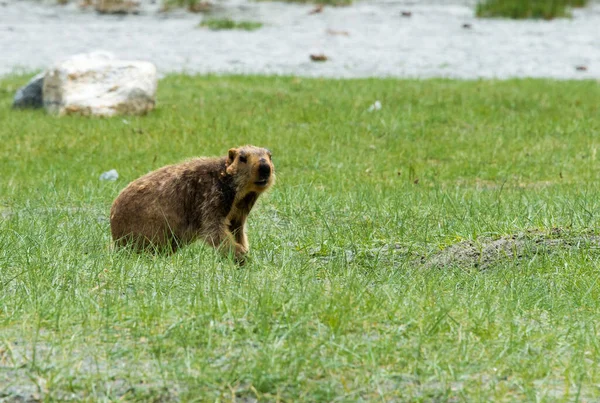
(338, 302)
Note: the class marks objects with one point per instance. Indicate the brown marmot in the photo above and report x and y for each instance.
(207, 198)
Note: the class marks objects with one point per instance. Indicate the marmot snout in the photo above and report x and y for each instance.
(206, 198)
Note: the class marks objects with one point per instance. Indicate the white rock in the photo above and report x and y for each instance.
(94, 55)
(98, 84)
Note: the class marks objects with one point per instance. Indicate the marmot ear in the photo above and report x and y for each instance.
(232, 154)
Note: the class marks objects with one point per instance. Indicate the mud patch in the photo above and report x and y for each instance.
(487, 252)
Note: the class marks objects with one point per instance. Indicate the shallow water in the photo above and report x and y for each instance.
(379, 41)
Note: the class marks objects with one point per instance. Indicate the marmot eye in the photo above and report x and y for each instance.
(243, 158)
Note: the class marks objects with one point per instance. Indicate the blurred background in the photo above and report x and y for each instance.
(329, 38)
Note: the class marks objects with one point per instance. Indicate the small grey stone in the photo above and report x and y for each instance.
(111, 175)
(30, 95)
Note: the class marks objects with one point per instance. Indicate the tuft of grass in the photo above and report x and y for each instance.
(227, 23)
(335, 303)
(180, 3)
(523, 9)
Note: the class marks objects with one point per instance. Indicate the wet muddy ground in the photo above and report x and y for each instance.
(488, 252)
(481, 253)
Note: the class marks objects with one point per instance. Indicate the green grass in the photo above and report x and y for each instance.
(334, 303)
(227, 23)
(521, 9)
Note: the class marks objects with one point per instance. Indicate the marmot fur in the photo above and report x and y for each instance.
(206, 198)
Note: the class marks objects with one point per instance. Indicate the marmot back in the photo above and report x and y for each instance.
(207, 198)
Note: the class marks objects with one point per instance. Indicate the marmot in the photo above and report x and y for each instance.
(206, 198)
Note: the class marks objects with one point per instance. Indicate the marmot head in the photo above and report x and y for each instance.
(251, 168)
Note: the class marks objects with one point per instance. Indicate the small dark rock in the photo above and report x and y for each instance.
(318, 58)
(581, 68)
(406, 14)
(467, 26)
(30, 95)
(318, 9)
(341, 33)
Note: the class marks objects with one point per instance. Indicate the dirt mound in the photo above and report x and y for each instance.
(486, 252)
